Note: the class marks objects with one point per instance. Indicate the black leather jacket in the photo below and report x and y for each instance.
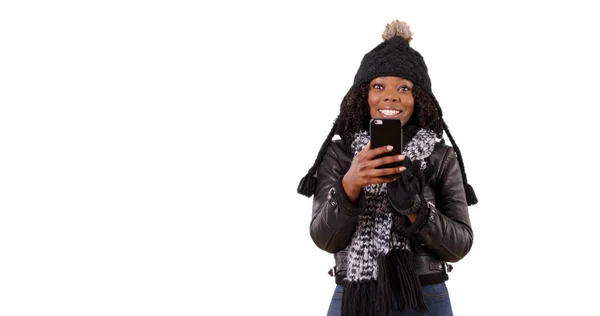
(442, 233)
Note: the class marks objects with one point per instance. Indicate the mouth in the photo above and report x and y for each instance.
(390, 112)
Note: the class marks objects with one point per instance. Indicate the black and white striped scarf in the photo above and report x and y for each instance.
(381, 275)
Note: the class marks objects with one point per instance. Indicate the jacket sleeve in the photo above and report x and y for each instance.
(445, 228)
(334, 216)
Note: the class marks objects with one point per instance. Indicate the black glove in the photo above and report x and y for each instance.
(403, 193)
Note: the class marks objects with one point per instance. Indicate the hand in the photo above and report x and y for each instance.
(402, 194)
(363, 170)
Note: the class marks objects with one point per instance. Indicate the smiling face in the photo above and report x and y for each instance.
(391, 97)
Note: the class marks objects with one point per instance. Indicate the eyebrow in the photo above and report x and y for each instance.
(405, 81)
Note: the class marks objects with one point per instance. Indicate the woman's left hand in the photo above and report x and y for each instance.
(403, 192)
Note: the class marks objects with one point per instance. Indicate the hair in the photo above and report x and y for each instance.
(355, 114)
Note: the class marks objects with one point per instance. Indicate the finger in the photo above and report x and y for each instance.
(374, 173)
(364, 151)
(384, 160)
(370, 154)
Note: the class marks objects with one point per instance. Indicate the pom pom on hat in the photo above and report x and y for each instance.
(397, 29)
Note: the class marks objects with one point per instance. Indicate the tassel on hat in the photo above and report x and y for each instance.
(469, 191)
(308, 184)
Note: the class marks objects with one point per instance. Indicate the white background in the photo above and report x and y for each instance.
(150, 151)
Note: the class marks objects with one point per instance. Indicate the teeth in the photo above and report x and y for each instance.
(389, 111)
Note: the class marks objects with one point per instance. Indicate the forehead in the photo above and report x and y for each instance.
(392, 79)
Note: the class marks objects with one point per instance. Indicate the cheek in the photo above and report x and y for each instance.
(372, 99)
(411, 107)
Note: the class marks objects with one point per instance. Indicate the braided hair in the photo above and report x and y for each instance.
(355, 116)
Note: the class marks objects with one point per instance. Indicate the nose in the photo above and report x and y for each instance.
(391, 98)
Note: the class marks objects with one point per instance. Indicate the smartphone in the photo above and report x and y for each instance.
(386, 132)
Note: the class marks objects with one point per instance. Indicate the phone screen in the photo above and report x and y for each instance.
(386, 132)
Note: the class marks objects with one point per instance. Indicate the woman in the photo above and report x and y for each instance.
(392, 238)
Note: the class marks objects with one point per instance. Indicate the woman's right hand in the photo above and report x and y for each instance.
(363, 170)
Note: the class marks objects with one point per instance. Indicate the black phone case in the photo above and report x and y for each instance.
(387, 132)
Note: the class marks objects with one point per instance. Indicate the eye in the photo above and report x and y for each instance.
(377, 86)
(404, 88)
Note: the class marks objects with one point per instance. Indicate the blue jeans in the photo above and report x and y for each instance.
(435, 295)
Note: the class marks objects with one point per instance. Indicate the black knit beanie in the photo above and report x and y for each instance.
(393, 57)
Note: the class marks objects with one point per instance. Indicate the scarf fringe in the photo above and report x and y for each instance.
(396, 288)
(357, 299)
(404, 280)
